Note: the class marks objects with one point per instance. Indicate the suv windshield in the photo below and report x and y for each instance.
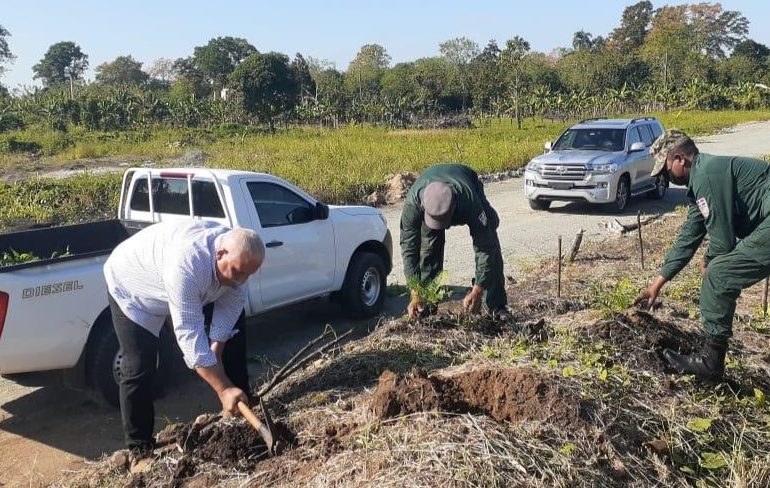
(592, 140)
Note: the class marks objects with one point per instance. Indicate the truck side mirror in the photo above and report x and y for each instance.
(637, 146)
(321, 211)
(548, 145)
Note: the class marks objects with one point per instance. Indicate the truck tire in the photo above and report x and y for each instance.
(539, 204)
(363, 292)
(104, 358)
(622, 195)
(661, 185)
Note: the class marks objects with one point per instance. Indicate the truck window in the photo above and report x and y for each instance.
(170, 196)
(657, 131)
(647, 136)
(592, 139)
(633, 136)
(277, 205)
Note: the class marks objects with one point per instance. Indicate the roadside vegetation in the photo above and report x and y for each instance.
(337, 165)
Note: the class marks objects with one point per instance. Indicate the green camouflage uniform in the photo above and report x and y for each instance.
(423, 248)
(729, 201)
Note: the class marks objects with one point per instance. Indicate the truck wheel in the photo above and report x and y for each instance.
(539, 204)
(622, 195)
(661, 185)
(103, 363)
(363, 292)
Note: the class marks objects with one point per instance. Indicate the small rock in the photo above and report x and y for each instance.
(141, 466)
(657, 445)
(618, 468)
(119, 460)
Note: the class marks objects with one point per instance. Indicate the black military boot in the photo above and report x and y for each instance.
(707, 365)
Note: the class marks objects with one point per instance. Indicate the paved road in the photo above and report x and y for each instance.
(47, 425)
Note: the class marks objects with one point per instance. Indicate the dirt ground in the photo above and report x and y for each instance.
(48, 428)
(563, 395)
(49, 424)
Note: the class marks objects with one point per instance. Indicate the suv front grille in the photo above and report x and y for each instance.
(564, 172)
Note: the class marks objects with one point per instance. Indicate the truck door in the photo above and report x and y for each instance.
(639, 161)
(300, 258)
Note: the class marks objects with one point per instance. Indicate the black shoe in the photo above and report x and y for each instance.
(707, 365)
(501, 314)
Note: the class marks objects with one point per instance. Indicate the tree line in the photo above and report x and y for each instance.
(691, 56)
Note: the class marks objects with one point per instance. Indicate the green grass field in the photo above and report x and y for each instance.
(337, 165)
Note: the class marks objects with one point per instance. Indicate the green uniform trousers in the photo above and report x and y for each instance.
(727, 275)
(432, 263)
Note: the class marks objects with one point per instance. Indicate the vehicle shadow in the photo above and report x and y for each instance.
(50, 411)
(675, 196)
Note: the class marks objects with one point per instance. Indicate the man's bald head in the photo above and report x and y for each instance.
(240, 253)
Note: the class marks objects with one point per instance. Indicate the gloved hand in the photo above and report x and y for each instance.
(415, 307)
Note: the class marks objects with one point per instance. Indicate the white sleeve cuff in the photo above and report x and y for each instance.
(201, 360)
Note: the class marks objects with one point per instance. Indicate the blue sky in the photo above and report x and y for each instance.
(333, 30)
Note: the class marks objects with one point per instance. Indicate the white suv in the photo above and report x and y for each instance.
(599, 161)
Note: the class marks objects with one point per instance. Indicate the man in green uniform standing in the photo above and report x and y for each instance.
(445, 195)
(729, 201)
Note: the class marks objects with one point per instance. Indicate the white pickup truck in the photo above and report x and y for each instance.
(54, 312)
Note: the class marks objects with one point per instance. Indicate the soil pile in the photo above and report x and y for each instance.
(510, 394)
(641, 338)
(539, 306)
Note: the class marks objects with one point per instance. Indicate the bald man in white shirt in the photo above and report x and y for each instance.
(175, 269)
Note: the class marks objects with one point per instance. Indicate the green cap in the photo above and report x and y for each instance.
(659, 150)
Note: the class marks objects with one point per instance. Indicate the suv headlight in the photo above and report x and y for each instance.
(602, 168)
(534, 165)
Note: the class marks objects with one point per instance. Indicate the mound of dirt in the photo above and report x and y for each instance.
(511, 394)
(229, 444)
(538, 307)
(641, 338)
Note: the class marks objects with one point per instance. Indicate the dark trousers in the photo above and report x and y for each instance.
(139, 348)
(729, 274)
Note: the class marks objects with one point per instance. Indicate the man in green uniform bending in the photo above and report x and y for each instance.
(443, 196)
(729, 201)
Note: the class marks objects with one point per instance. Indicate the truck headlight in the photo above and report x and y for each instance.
(602, 168)
(533, 165)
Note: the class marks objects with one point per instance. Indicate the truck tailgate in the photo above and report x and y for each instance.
(50, 310)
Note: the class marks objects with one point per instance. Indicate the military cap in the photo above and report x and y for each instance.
(659, 150)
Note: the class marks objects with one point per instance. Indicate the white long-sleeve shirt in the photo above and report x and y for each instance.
(170, 269)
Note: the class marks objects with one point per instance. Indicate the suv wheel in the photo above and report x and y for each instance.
(622, 194)
(539, 204)
(661, 185)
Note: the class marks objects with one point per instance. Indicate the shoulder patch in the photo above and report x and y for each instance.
(483, 218)
(703, 206)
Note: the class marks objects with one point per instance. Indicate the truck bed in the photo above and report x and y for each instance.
(77, 241)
